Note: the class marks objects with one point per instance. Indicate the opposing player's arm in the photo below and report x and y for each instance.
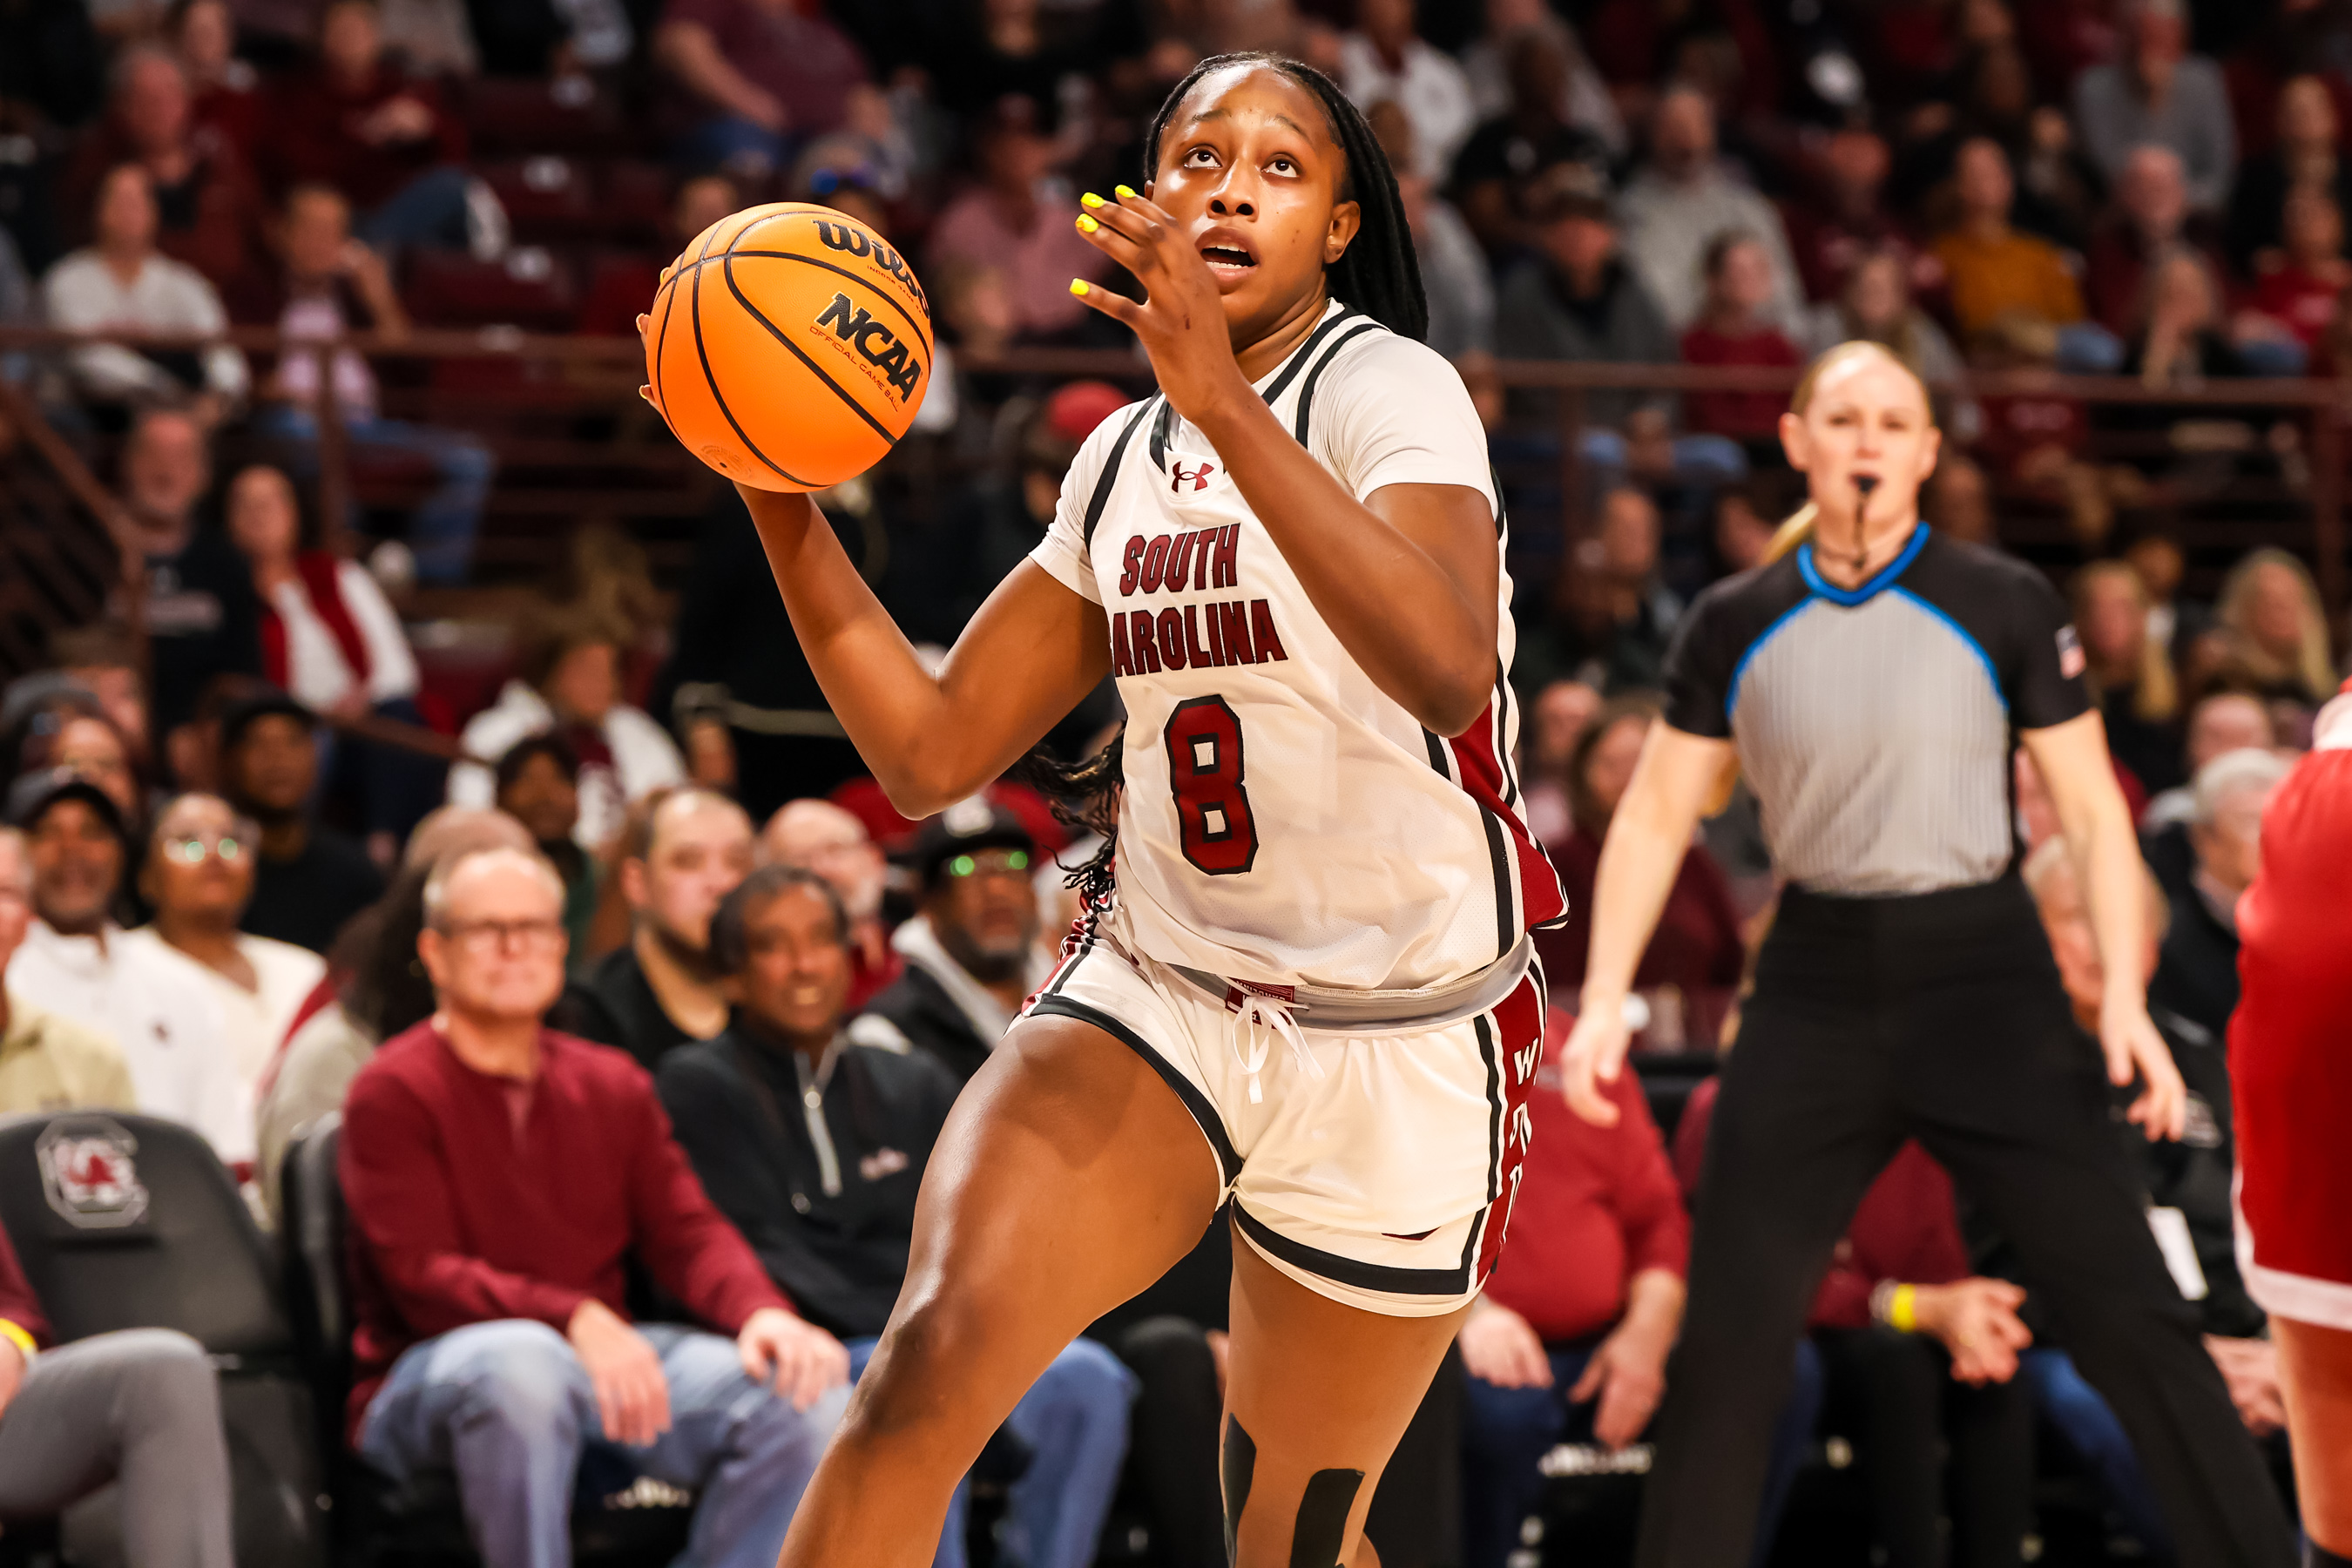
(1031, 652)
(1648, 836)
(1405, 580)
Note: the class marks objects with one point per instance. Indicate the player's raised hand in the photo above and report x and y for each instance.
(1182, 320)
(1595, 1056)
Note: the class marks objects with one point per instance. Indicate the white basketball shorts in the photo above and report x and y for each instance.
(1375, 1165)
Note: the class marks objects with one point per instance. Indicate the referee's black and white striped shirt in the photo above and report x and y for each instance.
(1876, 723)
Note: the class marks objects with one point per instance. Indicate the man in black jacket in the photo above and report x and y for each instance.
(812, 1142)
(682, 850)
(2197, 977)
(971, 952)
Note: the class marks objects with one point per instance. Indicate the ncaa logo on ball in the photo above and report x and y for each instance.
(870, 345)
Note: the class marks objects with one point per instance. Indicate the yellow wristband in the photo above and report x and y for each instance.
(17, 1337)
(1903, 1310)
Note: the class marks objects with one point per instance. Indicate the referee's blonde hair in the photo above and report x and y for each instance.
(1799, 525)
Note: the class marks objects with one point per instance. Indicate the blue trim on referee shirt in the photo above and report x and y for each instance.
(1739, 670)
(1850, 597)
(1974, 646)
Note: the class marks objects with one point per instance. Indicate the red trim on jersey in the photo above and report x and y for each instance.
(1519, 1045)
(1479, 765)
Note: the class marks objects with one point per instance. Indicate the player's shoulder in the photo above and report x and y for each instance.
(1744, 605)
(1367, 354)
(1977, 582)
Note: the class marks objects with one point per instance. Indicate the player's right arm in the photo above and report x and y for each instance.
(1648, 836)
(1034, 651)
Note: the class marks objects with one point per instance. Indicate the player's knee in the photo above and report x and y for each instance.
(932, 1343)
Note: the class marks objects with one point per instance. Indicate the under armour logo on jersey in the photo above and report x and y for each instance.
(1197, 476)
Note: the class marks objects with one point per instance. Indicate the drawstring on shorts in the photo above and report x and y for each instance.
(1253, 1023)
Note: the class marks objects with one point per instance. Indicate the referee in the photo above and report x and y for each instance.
(1871, 682)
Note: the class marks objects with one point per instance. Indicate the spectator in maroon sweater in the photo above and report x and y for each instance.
(1734, 328)
(212, 211)
(139, 1407)
(1698, 952)
(358, 124)
(1924, 1354)
(499, 1174)
(1570, 1340)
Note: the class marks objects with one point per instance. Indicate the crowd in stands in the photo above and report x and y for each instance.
(226, 901)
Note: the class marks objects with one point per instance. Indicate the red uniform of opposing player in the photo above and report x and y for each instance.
(2291, 1078)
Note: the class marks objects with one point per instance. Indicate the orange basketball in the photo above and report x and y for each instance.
(789, 347)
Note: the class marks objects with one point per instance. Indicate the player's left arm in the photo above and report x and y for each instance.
(1406, 579)
(2076, 770)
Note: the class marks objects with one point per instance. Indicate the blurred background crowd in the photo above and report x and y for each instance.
(341, 624)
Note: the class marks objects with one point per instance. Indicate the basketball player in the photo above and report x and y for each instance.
(1312, 990)
(2290, 1076)
(1872, 683)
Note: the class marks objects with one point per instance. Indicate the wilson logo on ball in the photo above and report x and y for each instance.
(855, 241)
(854, 327)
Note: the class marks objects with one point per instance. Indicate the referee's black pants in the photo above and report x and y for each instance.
(1939, 1017)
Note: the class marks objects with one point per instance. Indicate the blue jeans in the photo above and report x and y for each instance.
(737, 145)
(430, 210)
(508, 1407)
(1074, 1419)
(1701, 462)
(2087, 347)
(2068, 1401)
(1505, 1433)
(441, 532)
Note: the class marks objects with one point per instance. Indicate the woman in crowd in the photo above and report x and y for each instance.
(2130, 674)
(1692, 966)
(2271, 630)
(1735, 328)
(569, 682)
(1875, 304)
(331, 641)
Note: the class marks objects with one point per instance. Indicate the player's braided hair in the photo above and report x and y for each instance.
(1379, 275)
(1083, 795)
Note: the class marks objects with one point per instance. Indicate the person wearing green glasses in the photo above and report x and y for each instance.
(972, 951)
(198, 878)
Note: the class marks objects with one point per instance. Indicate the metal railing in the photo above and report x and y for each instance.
(605, 373)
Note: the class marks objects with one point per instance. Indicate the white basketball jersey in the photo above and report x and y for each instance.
(1284, 821)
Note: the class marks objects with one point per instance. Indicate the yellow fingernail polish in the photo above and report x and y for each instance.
(1087, 224)
(1124, 194)
(1078, 287)
(1091, 200)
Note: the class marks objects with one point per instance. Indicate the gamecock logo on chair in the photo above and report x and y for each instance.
(91, 1174)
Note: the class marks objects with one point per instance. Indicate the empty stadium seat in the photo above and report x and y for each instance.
(510, 116)
(528, 288)
(130, 1222)
(613, 1523)
(548, 198)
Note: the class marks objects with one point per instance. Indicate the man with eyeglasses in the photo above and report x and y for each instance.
(198, 877)
(971, 952)
(75, 962)
(500, 1176)
(46, 1062)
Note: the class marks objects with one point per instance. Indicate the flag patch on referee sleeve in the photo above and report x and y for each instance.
(2070, 653)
